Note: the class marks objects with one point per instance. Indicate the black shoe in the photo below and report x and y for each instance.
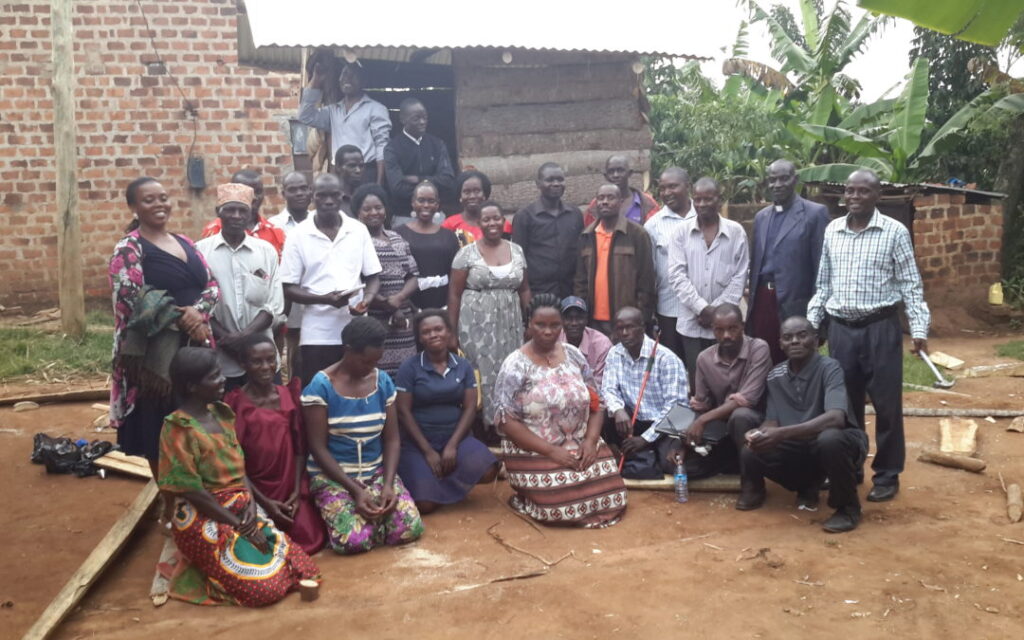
(843, 520)
(807, 499)
(883, 492)
(751, 498)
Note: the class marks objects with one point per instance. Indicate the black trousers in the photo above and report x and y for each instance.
(669, 336)
(691, 349)
(872, 361)
(835, 454)
(318, 356)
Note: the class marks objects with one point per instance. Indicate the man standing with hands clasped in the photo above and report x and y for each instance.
(785, 255)
(707, 266)
(325, 267)
(867, 269)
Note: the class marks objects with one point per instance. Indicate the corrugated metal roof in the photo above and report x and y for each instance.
(917, 187)
(569, 25)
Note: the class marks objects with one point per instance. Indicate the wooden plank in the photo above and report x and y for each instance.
(512, 169)
(579, 191)
(720, 483)
(71, 287)
(482, 87)
(93, 566)
(949, 460)
(130, 465)
(958, 436)
(80, 395)
(498, 144)
(622, 113)
(945, 360)
(1015, 369)
(1014, 503)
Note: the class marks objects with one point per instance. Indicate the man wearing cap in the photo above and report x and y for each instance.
(246, 270)
(594, 344)
(259, 226)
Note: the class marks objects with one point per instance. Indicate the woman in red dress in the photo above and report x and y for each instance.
(268, 421)
(474, 188)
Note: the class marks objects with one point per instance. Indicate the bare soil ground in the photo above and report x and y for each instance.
(938, 561)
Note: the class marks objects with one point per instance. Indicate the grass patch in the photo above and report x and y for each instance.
(915, 371)
(27, 351)
(1014, 349)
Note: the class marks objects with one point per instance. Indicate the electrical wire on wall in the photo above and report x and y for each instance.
(193, 166)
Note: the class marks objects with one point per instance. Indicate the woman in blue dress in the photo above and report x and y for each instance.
(437, 399)
(352, 437)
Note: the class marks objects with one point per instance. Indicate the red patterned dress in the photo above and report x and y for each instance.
(219, 566)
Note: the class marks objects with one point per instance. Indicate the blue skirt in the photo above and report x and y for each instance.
(472, 462)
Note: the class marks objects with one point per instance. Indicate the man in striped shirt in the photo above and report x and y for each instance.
(867, 268)
(674, 187)
(707, 266)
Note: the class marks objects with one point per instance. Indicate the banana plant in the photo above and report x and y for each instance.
(886, 135)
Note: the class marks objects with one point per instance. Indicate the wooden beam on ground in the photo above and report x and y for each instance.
(69, 233)
(80, 395)
(130, 465)
(949, 460)
(958, 436)
(720, 483)
(920, 412)
(93, 566)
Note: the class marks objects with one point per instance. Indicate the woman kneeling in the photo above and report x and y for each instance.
(549, 413)
(232, 553)
(352, 435)
(437, 397)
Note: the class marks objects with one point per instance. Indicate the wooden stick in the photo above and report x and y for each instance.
(916, 412)
(509, 545)
(949, 460)
(93, 566)
(719, 483)
(79, 395)
(1014, 503)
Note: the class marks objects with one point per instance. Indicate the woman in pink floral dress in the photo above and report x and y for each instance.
(550, 417)
(150, 255)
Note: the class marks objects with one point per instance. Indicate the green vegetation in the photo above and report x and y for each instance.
(1013, 349)
(50, 355)
(915, 371)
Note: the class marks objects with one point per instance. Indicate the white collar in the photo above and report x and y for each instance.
(416, 140)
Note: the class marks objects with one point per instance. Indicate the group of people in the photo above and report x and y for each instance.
(572, 341)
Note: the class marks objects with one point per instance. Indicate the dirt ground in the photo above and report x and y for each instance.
(939, 561)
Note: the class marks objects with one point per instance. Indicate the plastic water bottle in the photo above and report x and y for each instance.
(682, 490)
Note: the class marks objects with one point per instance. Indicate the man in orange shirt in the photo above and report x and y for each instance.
(615, 268)
(260, 228)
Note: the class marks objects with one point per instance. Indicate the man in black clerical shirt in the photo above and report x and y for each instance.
(412, 156)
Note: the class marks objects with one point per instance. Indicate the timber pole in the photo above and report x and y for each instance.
(69, 233)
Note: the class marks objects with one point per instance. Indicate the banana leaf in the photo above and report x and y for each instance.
(911, 108)
(981, 21)
(848, 141)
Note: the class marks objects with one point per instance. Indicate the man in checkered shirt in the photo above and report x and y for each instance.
(867, 268)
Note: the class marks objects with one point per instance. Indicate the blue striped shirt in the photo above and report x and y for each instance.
(354, 425)
(666, 387)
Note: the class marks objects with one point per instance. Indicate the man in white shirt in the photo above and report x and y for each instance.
(330, 266)
(246, 270)
(297, 196)
(708, 262)
(674, 188)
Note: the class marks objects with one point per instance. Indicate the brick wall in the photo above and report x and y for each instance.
(958, 246)
(132, 121)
